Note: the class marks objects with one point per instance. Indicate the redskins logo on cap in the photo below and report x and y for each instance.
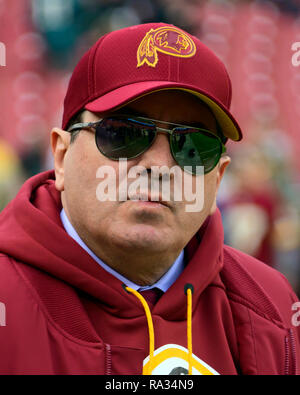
(168, 40)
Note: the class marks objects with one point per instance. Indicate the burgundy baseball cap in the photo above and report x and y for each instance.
(129, 63)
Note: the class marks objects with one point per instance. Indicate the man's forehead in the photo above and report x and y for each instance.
(168, 97)
(177, 105)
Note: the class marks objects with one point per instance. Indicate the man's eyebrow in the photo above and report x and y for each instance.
(131, 111)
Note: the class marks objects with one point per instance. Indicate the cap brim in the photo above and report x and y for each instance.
(125, 94)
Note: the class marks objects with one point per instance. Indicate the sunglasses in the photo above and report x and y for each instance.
(128, 137)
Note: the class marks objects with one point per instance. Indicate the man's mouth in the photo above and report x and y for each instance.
(150, 200)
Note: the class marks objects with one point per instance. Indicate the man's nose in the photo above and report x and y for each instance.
(159, 154)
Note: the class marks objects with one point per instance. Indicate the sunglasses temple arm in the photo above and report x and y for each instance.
(79, 126)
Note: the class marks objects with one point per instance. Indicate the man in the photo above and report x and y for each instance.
(74, 266)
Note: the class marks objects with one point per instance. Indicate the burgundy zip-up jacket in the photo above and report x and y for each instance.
(61, 313)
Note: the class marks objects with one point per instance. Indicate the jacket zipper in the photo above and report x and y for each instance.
(293, 350)
(108, 359)
(287, 357)
(290, 355)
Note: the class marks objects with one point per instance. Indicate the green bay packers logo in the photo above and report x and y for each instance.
(168, 40)
(172, 359)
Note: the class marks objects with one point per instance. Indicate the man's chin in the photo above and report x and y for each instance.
(143, 237)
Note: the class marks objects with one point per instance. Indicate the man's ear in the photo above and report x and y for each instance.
(223, 163)
(60, 142)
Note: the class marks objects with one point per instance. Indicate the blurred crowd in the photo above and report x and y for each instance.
(259, 198)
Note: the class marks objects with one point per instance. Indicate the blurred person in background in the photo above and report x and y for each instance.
(289, 6)
(69, 26)
(253, 206)
(258, 189)
(11, 173)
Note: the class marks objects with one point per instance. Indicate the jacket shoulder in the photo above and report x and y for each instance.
(262, 306)
(11, 285)
(258, 285)
(30, 289)
(15, 294)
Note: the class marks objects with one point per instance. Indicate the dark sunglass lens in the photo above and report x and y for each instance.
(124, 138)
(194, 148)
